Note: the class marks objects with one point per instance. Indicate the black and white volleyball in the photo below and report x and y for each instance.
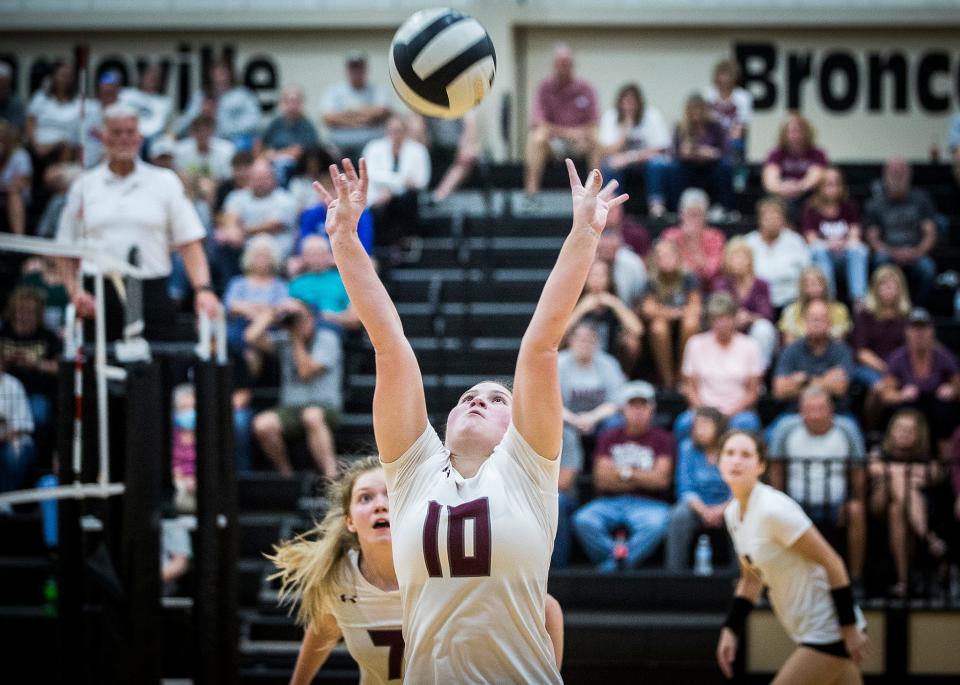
(442, 62)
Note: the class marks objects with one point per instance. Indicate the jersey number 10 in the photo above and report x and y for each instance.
(463, 562)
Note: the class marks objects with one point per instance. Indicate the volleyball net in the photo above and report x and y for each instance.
(95, 447)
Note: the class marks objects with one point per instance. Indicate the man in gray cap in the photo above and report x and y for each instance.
(354, 111)
(633, 478)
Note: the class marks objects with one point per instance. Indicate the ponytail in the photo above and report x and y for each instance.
(309, 564)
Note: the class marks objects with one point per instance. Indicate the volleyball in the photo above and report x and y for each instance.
(442, 63)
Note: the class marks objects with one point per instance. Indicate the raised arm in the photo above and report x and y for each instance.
(537, 407)
(318, 642)
(399, 404)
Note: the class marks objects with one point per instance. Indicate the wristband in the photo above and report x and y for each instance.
(205, 286)
(843, 602)
(737, 616)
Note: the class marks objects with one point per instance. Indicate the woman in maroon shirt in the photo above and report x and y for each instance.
(699, 143)
(878, 328)
(831, 226)
(793, 168)
(752, 295)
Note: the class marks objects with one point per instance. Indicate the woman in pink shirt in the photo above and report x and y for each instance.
(701, 246)
(721, 369)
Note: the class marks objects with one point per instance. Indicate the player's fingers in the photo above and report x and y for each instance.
(594, 182)
(350, 171)
(363, 176)
(335, 177)
(618, 200)
(574, 176)
(608, 190)
(322, 192)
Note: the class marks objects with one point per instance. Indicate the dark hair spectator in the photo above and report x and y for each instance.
(831, 226)
(618, 328)
(590, 383)
(634, 137)
(701, 493)
(901, 227)
(311, 376)
(202, 153)
(671, 306)
(900, 472)
(699, 143)
(732, 107)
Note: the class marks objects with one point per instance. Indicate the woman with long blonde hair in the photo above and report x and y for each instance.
(341, 574)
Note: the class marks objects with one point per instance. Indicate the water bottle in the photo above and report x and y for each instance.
(703, 557)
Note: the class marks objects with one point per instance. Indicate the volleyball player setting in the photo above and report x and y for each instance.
(442, 63)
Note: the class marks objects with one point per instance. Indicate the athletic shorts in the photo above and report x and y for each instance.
(291, 419)
(833, 648)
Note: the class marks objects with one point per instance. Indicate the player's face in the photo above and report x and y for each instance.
(740, 465)
(483, 413)
(369, 515)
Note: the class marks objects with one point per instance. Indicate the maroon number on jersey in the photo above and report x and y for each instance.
(461, 565)
(394, 640)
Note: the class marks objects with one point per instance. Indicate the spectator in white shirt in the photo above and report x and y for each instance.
(260, 208)
(732, 107)
(123, 204)
(53, 117)
(237, 107)
(153, 106)
(819, 462)
(634, 136)
(203, 154)
(779, 254)
(398, 168)
(17, 452)
(354, 111)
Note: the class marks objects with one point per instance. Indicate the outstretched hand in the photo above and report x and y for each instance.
(590, 203)
(345, 206)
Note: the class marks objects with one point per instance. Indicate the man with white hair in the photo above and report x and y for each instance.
(122, 204)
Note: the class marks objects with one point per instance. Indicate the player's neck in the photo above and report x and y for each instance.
(743, 498)
(467, 465)
(376, 565)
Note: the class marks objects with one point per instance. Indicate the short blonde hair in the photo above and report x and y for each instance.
(737, 244)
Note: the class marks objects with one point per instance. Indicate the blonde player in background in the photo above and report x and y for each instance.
(473, 519)
(341, 572)
(809, 588)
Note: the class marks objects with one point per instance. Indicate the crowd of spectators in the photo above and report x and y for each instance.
(817, 311)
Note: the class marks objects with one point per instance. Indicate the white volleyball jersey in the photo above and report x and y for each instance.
(798, 588)
(369, 619)
(472, 558)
